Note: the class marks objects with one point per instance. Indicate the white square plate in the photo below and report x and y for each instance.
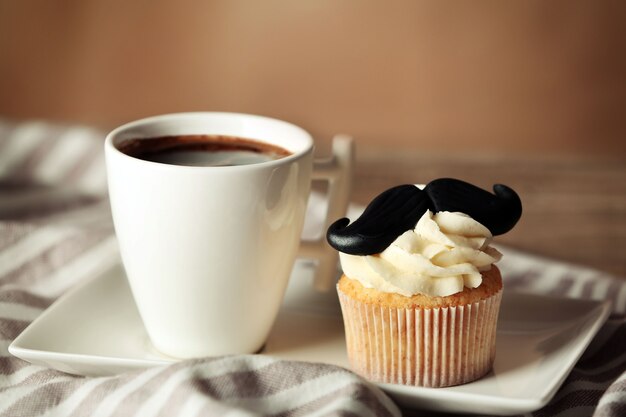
(95, 330)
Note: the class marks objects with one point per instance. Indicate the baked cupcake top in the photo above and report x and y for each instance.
(434, 241)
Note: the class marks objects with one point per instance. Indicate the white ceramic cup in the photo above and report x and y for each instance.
(208, 251)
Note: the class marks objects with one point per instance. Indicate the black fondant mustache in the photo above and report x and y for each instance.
(398, 209)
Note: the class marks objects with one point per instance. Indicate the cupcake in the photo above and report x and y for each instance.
(420, 293)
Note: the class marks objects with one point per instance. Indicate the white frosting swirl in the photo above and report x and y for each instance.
(444, 253)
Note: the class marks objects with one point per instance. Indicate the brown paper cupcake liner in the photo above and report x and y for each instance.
(436, 347)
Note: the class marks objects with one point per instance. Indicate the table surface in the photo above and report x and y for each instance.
(574, 206)
(575, 210)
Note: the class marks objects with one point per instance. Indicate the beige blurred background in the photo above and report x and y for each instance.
(512, 76)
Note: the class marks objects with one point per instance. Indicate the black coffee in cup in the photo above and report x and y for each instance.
(202, 150)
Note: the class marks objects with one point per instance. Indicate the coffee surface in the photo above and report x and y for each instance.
(202, 150)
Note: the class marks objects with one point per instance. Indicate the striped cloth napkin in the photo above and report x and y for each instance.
(56, 231)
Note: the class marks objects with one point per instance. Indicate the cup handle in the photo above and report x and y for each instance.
(337, 170)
